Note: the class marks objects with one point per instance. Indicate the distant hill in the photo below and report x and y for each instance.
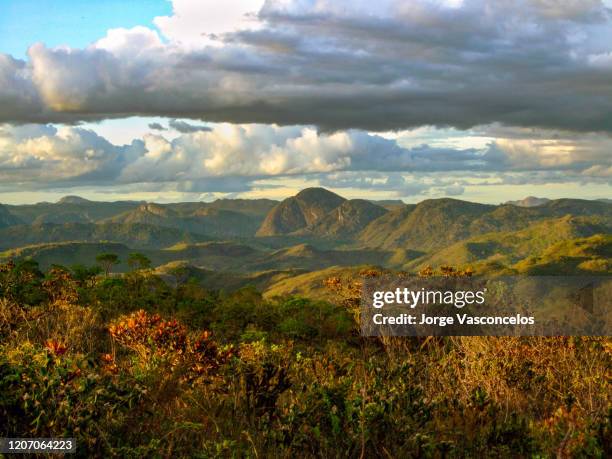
(299, 211)
(228, 281)
(529, 201)
(306, 256)
(429, 225)
(389, 204)
(73, 200)
(311, 284)
(70, 210)
(314, 230)
(7, 218)
(508, 248)
(592, 255)
(201, 220)
(254, 207)
(69, 253)
(148, 214)
(346, 220)
(437, 223)
(136, 235)
(73, 209)
(228, 255)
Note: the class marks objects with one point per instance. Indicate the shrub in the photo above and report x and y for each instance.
(44, 393)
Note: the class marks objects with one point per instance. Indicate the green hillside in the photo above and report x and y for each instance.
(180, 271)
(592, 255)
(508, 248)
(70, 209)
(208, 221)
(306, 256)
(438, 223)
(7, 218)
(429, 225)
(135, 235)
(70, 254)
(311, 284)
(311, 231)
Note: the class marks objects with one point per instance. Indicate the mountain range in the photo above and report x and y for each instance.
(315, 230)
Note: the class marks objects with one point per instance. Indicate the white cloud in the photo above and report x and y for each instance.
(196, 23)
(130, 43)
(44, 155)
(232, 157)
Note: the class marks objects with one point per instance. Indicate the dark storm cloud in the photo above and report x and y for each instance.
(337, 65)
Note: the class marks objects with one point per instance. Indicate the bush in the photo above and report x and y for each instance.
(43, 393)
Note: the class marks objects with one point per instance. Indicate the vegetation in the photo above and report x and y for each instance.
(229, 329)
(133, 366)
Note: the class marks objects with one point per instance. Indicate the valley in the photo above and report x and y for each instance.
(284, 247)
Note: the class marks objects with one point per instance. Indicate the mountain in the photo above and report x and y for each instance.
(147, 213)
(253, 207)
(313, 230)
(559, 207)
(377, 232)
(7, 219)
(217, 255)
(306, 256)
(312, 284)
(437, 223)
(70, 210)
(135, 235)
(389, 204)
(508, 248)
(346, 220)
(70, 254)
(73, 200)
(200, 220)
(299, 211)
(592, 255)
(429, 225)
(529, 201)
(216, 280)
(73, 209)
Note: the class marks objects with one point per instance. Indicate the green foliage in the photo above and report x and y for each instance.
(21, 283)
(138, 261)
(107, 261)
(133, 366)
(46, 395)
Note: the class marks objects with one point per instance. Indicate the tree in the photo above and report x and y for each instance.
(180, 275)
(138, 261)
(107, 261)
(84, 275)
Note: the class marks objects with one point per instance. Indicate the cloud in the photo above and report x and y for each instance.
(194, 23)
(43, 156)
(231, 158)
(19, 98)
(156, 127)
(398, 184)
(338, 65)
(186, 128)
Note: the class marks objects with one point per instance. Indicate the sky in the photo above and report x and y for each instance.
(165, 101)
